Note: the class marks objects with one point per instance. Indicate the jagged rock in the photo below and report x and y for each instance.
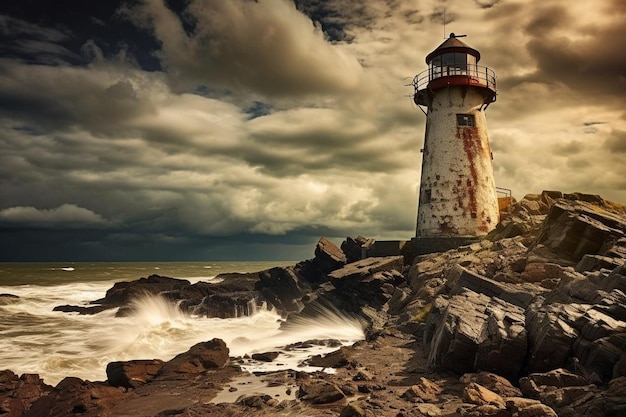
(551, 334)
(354, 410)
(352, 248)
(337, 359)
(123, 292)
(474, 393)
(228, 305)
(317, 391)
(17, 394)
(575, 228)
(493, 382)
(535, 384)
(328, 257)
(459, 279)
(424, 391)
(73, 396)
(132, 374)
(282, 289)
(200, 357)
(471, 331)
(524, 407)
(364, 282)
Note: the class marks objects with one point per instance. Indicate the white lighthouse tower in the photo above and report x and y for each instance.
(457, 201)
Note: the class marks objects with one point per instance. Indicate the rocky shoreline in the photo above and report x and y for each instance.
(530, 321)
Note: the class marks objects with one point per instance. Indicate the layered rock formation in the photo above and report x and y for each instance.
(530, 321)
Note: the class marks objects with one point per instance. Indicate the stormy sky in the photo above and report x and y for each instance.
(238, 129)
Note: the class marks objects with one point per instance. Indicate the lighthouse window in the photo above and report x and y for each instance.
(465, 120)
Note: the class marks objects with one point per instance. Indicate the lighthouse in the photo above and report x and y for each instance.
(458, 202)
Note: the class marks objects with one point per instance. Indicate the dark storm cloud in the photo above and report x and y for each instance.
(227, 129)
(266, 47)
(586, 59)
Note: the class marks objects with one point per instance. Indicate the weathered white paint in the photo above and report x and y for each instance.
(456, 168)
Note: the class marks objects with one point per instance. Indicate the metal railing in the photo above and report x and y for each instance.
(475, 74)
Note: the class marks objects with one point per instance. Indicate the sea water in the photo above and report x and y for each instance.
(36, 339)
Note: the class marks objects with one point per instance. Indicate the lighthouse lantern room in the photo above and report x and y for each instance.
(457, 199)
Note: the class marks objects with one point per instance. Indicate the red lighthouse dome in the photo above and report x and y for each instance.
(454, 63)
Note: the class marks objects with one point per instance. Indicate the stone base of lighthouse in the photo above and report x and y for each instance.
(425, 245)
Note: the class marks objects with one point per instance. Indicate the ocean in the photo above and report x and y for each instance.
(36, 339)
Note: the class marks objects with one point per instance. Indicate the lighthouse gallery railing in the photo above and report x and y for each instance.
(474, 75)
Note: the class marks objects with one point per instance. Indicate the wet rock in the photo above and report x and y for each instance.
(337, 359)
(317, 391)
(132, 374)
(227, 305)
(283, 289)
(265, 356)
(200, 357)
(73, 396)
(17, 394)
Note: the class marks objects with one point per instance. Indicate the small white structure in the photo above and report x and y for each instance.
(457, 196)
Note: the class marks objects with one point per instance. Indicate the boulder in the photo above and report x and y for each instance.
(283, 289)
(318, 391)
(471, 331)
(200, 357)
(474, 393)
(73, 396)
(424, 391)
(265, 356)
(17, 394)
(574, 228)
(493, 382)
(132, 374)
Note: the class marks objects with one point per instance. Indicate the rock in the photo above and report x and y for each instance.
(17, 394)
(200, 357)
(470, 331)
(575, 228)
(132, 374)
(493, 382)
(477, 394)
(265, 357)
(337, 359)
(424, 391)
(73, 396)
(254, 401)
(328, 257)
(317, 391)
(283, 289)
(353, 410)
(352, 248)
(227, 305)
(534, 384)
(123, 292)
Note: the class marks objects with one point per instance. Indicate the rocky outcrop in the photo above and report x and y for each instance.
(200, 357)
(132, 374)
(17, 394)
(74, 396)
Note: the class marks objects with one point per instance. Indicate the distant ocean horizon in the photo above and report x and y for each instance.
(36, 339)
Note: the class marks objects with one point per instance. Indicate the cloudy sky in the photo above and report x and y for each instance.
(238, 129)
